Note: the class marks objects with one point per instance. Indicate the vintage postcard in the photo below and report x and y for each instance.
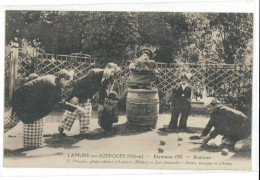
(139, 90)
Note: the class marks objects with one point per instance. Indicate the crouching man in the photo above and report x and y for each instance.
(32, 101)
(232, 124)
(109, 114)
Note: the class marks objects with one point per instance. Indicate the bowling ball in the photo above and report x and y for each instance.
(160, 149)
(162, 142)
(224, 152)
(180, 139)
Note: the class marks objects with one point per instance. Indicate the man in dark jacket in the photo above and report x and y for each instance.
(34, 100)
(181, 104)
(231, 123)
(97, 80)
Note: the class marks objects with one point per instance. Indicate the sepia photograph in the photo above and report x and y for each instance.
(135, 90)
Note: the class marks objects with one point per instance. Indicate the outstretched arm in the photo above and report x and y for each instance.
(208, 127)
(212, 135)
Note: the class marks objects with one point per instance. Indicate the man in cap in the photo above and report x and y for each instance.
(32, 101)
(232, 124)
(181, 104)
(96, 80)
(145, 54)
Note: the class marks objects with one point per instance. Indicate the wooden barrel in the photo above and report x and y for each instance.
(142, 107)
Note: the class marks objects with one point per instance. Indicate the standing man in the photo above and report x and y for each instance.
(32, 101)
(232, 124)
(97, 80)
(181, 104)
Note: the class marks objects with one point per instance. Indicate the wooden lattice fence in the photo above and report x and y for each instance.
(43, 64)
(219, 80)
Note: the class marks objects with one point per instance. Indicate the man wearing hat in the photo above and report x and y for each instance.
(145, 54)
(181, 105)
(234, 125)
(34, 100)
(109, 115)
(96, 80)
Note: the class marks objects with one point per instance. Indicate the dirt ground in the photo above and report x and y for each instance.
(75, 151)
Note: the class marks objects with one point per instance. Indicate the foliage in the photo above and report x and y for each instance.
(166, 31)
(201, 41)
(117, 36)
(234, 31)
(107, 35)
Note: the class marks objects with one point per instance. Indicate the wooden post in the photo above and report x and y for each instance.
(13, 68)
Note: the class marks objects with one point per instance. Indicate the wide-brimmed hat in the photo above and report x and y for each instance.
(147, 51)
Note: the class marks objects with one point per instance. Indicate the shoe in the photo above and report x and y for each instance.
(109, 132)
(168, 129)
(167, 126)
(190, 131)
(171, 130)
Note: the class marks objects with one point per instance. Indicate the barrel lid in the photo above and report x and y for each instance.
(142, 90)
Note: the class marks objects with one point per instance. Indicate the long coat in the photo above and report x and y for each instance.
(36, 99)
(89, 84)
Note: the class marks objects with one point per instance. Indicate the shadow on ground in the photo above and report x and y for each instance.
(15, 153)
(23, 152)
(242, 155)
(190, 130)
(57, 141)
(117, 130)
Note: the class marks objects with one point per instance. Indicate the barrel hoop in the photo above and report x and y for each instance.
(143, 103)
(142, 117)
(141, 125)
(143, 90)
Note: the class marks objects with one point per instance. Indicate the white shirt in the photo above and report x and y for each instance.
(184, 86)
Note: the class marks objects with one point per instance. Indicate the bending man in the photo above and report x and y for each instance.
(34, 100)
(232, 124)
(97, 80)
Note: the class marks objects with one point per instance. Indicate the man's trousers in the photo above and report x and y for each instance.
(84, 119)
(32, 132)
(182, 107)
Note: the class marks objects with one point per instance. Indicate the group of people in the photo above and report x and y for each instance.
(35, 99)
(233, 125)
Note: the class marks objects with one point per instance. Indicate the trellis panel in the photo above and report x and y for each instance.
(219, 80)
